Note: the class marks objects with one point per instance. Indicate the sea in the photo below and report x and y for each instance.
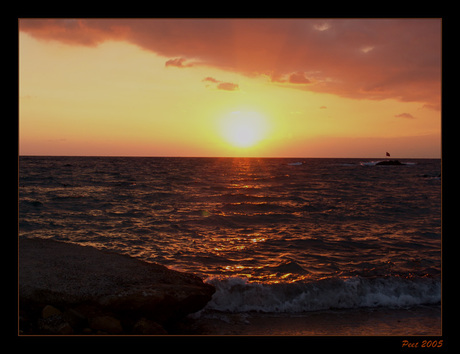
(283, 240)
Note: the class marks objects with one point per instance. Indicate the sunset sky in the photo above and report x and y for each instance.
(230, 87)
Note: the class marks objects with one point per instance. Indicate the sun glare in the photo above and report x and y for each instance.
(244, 129)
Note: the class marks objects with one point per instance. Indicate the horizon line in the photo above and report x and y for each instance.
(232, 157)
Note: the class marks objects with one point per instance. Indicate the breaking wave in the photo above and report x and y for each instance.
(236, 294)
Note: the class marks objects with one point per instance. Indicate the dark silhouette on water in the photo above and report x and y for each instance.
(389, 162)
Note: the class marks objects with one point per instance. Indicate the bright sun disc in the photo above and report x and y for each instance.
(244, 129)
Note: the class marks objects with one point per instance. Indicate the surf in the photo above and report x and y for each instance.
(237, 294)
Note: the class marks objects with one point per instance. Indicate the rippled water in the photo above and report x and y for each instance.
(323, 224)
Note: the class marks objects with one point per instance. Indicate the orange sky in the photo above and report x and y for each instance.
(230, 87)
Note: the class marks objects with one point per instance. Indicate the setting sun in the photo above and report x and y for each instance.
(230, 87)
(244, 129)
(281, 166)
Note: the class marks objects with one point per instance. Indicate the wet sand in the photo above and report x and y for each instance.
(420, 321)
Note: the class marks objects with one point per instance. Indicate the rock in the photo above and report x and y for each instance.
(389, 163)
(55, 324)
(107, 324)
(65, 329)
(75, 318)
(145, 326)
(71, 276)
(49, 311)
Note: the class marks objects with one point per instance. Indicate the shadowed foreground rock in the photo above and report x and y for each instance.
(93, 290)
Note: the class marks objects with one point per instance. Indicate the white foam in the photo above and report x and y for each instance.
(374, 163)
(239, 295)
(369, 163)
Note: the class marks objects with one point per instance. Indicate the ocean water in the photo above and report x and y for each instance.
(273, 235)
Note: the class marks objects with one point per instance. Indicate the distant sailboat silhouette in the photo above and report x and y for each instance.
(385, 162)
(388, 161)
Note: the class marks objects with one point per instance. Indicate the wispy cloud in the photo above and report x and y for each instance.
(405, 115)
(210, 79)
(299, 78)
(179, 63)
(322, 26)
(228, 86)
(221, 85)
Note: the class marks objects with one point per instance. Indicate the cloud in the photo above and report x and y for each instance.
(322, 107)
(211, 79)
(356, 58)
(321, 26)
(298, 78)
(179, 63)
(367, 49)
(228, 86)
(405, 115)
(74, 31)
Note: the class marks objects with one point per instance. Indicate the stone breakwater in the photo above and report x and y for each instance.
(70, 289)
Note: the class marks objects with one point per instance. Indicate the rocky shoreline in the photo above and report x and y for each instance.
(69, 289)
